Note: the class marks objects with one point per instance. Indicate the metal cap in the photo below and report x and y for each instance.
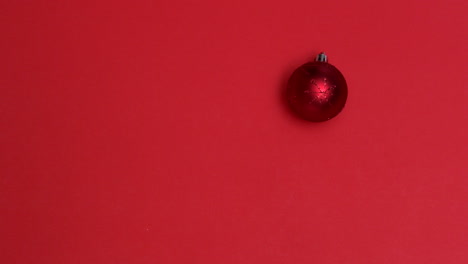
(322, 57)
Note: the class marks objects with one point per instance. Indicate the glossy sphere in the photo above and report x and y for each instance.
(317, 91)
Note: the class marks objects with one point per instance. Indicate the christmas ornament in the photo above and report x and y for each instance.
(317, 91)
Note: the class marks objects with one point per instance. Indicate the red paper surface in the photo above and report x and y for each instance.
(155, 132)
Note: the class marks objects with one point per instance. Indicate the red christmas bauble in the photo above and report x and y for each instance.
(317, 91)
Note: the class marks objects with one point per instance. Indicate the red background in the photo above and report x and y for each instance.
(154, 132)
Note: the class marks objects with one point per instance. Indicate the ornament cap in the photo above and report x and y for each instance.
(322, 57)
